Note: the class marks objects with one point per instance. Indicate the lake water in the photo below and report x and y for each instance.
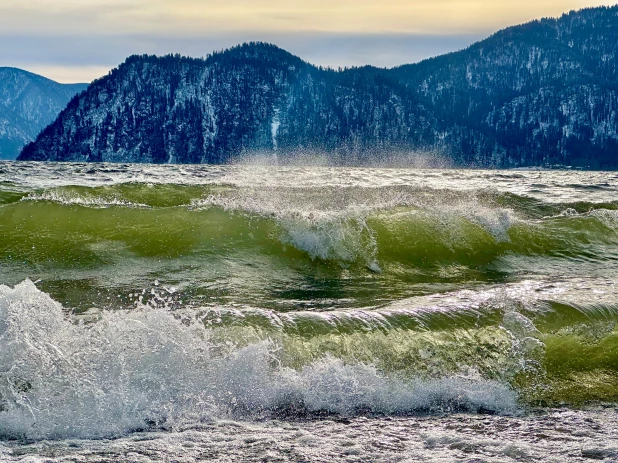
(264, 313)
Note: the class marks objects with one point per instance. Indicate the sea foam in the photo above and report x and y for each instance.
(146, 369)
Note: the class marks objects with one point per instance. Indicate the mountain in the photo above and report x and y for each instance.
(249, 98)
(28, 103)
(543, 93)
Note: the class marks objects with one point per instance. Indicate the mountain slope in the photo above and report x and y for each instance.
(28, 102)
(252, 97)
(538, 94)
(545, 91)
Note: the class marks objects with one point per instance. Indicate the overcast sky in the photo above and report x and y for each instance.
(80, 40)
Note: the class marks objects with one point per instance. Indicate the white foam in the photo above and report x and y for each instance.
(341, 240)
(62, 378)
(71, 198)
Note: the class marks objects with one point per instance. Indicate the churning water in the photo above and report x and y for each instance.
(252, 313)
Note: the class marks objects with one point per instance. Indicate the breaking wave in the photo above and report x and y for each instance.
(107, 373)
(372, 227)
(145, 369)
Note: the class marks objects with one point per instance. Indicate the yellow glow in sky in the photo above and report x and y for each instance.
(182, 17)
(368, 16)
(79, 40)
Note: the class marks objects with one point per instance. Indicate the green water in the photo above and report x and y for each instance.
(500, 276)
(198, 238)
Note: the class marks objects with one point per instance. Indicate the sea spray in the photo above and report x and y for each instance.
(145, 368)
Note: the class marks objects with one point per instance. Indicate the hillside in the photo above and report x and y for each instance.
(28, 103)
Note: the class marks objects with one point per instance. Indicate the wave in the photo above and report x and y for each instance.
(370, 227)
(278, 195)
(146, 369)
(11, 193)
(107, 373)
(290, 247)
(169, 296)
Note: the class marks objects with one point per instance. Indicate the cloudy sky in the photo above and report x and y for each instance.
(79, 40)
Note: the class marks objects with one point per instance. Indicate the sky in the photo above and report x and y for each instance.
(81, 40)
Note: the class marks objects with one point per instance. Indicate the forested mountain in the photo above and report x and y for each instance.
(28, 103)
(543, 93)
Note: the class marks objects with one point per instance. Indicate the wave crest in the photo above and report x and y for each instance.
(144, 368)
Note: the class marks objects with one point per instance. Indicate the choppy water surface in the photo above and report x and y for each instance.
(242, 303)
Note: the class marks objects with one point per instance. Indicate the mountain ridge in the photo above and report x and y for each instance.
(28, 103)
(542, 93)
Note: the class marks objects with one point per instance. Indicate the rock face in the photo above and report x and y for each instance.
(543, 93)
(28, 103)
